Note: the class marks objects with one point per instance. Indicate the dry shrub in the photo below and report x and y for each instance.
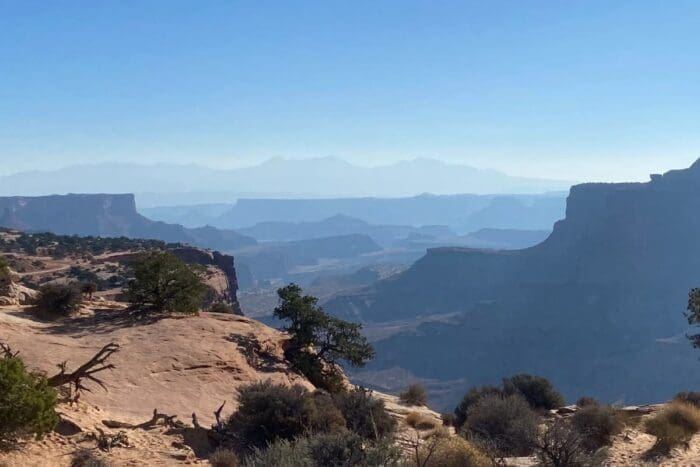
(508, 425)
(341, 449)
(443, 450)
(561, 445)
(58, 300)
(224, 458)
(598, 424)
(365, 415)
(675, 425)
(88, 458)
(690, 397)
(293, 453)
(447, 419)
(414, 395)
(421, 421)
(585, 401)
(220, 307)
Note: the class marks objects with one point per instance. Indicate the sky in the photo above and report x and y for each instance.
(583, 90)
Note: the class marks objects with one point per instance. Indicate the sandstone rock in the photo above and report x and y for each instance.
(225, 263)
(17, 294)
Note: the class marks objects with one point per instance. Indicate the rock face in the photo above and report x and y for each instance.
(597, 306)
(15, 294)
(106, 215)
(116, 216)
(220, 261)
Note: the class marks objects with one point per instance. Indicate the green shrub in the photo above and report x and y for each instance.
(507, 424)
(598, 424)
(691, 397)
(364, 414)
(288, 453)
(470, 399)
(220, 307)
(414, 395)
(163, 283)
(5, 275)
(224, 458)
(58, 300)
(537, 391)
(27, 403)
(269, 412)
(674, 425)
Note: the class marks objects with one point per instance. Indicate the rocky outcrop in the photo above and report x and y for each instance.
(224, 263)
(18, 294)
(12, 293)
(107, 215)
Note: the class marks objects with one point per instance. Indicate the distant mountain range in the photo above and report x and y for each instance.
(327, 176)
(273, 219)
(597, 307)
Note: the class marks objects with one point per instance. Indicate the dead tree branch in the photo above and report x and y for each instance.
(96, 364)
(6, 351)
(168, 420)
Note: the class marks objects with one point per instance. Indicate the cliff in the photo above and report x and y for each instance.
(106, 215)
(595, 306)
(224, 263)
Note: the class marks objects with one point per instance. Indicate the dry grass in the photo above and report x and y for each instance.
(691, 397)
(443, 450)
(421, 421)
(598, 425)
(674, 426)
(414, 395)
(224, 458)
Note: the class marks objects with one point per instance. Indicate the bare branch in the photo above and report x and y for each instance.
(168, 420)
(96, 364)
(217, 414)
(195, 422)
(6, 351)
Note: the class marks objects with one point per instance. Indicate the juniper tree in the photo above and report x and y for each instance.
(319, 341)
(162, 282)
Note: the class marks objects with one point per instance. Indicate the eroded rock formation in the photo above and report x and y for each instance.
(224, 263)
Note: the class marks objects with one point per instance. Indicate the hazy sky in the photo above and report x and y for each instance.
(584, 90)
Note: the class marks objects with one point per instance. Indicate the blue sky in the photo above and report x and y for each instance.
(584, 90)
